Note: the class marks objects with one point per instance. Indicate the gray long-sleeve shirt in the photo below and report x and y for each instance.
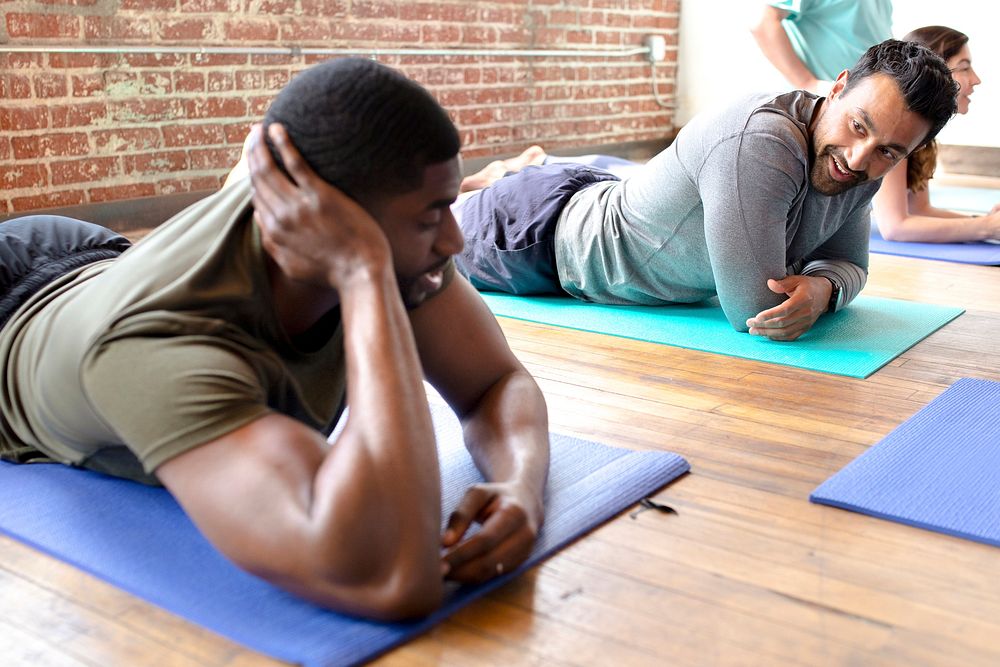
(725, 207)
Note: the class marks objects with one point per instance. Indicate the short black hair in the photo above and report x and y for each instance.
(922, 76)
(364, 127)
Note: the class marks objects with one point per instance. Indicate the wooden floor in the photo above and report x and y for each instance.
(747, 572)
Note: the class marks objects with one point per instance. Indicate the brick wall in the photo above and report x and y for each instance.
(86, 127)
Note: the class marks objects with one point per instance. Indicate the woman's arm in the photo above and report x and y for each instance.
(905, 216)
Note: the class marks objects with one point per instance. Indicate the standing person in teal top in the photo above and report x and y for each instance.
(812, 41)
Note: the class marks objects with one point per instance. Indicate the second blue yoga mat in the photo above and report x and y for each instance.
(138, 538)
(938, 470)
(966, 200)
(855, 342)
(986, 254)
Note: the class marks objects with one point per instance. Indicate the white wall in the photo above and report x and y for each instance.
(718, 59)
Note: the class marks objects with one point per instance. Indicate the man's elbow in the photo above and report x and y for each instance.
(385, 591)
(404, 600)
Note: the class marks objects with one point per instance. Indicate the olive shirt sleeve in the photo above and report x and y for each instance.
(165, 395)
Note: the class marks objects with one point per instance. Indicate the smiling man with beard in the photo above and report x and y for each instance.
(765, 204)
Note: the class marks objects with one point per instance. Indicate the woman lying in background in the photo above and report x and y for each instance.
(902, 206)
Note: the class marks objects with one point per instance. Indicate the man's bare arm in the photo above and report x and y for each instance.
(774, 44)
(354, 527)
(503, 413)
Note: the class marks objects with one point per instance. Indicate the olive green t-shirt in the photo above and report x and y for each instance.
(129, 362)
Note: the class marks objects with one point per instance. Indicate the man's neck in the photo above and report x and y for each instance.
(298, 305)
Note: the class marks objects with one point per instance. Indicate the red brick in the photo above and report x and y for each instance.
(83, 60)
(504, 15)
(119, 192)
(126, 140)
(48, 145)
(189, 82)
(250, 30)
(654, 22)
(86, 85)
(236, 133)
(374, 9)
(116, 28)
(22, 119)
(610, 38)
(280, 60)
(276, 7)
(218, 60)
(214, 158)
(493, 135)
(220, 82)
(249, 80)
(12, 61)
(150, 60)
(216, 107)
(84, 171)
(26, 175)
(50, 85)
(170, 186)
(14, 86)
(192, 135)
(48, 200)
(155, 163)
(276, 79)
(5, 149)
(401, 35)
(325, 8)
(435, 11)
(440, 34)
(185, 29)
(146, 110)
(476, 34)
(211, 6)
(565, 17)
(365, 33)
(43, 26)
(4, 206)
(257, 106)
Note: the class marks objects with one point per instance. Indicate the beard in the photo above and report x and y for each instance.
(823, 182)
(414, 290)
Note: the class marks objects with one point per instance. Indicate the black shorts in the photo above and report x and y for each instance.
(37, 249)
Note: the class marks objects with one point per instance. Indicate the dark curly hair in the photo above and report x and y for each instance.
(922, 76)
(364, 127)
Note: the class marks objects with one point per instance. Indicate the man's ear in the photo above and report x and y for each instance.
(838, 85)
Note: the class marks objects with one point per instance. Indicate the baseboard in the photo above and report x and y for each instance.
(126, 214)
(969, 160)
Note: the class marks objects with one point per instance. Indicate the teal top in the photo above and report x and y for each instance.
(830, 35)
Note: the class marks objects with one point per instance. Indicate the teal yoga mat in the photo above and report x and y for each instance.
(971, 200)
(855, 342)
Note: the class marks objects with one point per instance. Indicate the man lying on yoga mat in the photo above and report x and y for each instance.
(765, 204)
(216, 355)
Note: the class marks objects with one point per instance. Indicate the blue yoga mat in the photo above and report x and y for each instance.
(137, 538)
(987, 254)
(856, 341)
(938, 470)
